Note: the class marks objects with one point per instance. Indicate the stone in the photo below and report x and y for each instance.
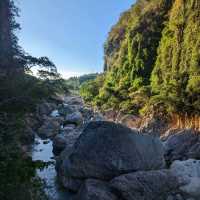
(106, 150)
(59, 144)
(45, 108)
(50, 128)
(68, 182)
(74, 118)
(74, 100)
(65, 109)
(183, 145)
(188, 175)
(146, 185)
(95, 190)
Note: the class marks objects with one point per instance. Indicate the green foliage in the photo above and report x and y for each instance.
(74, 83)
(89, 90)
(16, 170)
(130, 53)
(177, 69)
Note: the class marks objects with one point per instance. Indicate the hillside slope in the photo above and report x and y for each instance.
(152, 59)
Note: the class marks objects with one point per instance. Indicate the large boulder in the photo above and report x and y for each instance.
(95, 190)
(146, 185)
(59, 144)
(66, 139)
(188, 175)
(74, 118)
(106, 150)
(182, 145)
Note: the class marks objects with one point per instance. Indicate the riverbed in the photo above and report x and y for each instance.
(42, 151)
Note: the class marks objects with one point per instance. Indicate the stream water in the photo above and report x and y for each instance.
(42, 151)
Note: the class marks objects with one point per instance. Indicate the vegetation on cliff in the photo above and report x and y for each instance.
(151, 60)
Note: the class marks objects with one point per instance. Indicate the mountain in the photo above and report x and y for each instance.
(152, 59)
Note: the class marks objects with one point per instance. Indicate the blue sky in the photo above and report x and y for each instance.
(70, 32)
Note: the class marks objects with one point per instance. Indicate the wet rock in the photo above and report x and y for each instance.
(46, 142)
(66, 180)
(146, 185)
(59, 144)
(74, 118)
(188, 175)
(183, 145)
(95, 190)
(70, 183)
(106, 150)
(50, 128)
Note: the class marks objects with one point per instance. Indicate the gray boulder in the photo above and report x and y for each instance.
(95, 190)
(59, 144)
(146, 185)
(74, 118)
(69, 138)
(106, 150)
(66, 139)
(188, 175)
(70, 183)
(183, 145)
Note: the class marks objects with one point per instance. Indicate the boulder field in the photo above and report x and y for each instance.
(101, 160)
(111, 161)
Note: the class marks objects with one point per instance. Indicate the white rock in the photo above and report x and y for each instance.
(188, 174)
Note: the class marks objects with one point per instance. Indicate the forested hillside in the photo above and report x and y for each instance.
(74, 83)
(152, 60)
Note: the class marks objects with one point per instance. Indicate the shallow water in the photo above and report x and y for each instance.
(43, 152)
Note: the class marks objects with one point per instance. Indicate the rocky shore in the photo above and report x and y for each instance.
(98, 159)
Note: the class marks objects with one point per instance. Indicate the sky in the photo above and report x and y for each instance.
(70, 32)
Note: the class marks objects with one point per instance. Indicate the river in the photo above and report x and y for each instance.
(42, 151)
